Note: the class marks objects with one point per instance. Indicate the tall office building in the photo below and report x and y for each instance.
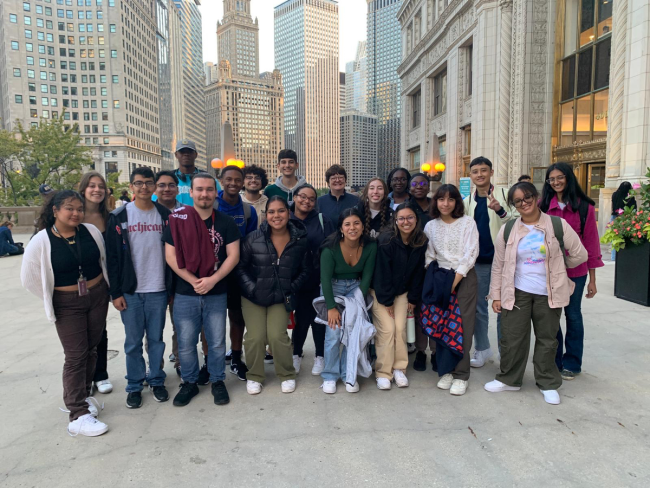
(384, 51)
(356, 81)
(359, 146)
(238, 39)
(97, 62)
(307, 55)
(341, 92)
(193, 77)
(210, 71)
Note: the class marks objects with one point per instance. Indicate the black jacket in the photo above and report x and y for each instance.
(258, 256)
(119, 264)
(316, 234)
(397, 271)
(375, 222)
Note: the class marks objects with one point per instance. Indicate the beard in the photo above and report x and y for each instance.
(204, 204)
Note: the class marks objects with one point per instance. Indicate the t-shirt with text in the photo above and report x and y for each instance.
(147, 250)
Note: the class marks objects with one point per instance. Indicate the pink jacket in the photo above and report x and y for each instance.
(590, 239)
(558, 284)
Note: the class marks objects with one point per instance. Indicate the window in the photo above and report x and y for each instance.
(28, 33)
(116, 78)
(30, 73)
(116, 104)
(105, 129)
(30, 61)
(17, 72)
(32, 87)
(45, 101)
(14, 45)
(13, 18)
(112, 28)
(18, 99)
(27, 20)
(470, 71)
(29, 47)
(43, 88)
(440, 93)
(113, 53)
(32, 100)
(26, 6)
(415, 110)
(33, 113)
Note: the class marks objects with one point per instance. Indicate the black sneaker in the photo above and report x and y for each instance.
(186, 393)
(204, 375)
(220, 393)
(420, 363)
(159, 393)
(240, 369)
(268, 358)
(568, 375)
(178, 371)
(134, 399)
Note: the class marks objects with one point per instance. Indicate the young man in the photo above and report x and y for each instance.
(138, 279)
(255, 180)
(230, 203)
(288, 182)
(490, 211)
(202, 248)
(525, 178)
(333, 203)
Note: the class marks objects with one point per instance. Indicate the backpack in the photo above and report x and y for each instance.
(322, 225)
(557, 230)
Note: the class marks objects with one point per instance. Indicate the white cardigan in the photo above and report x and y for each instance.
(37, 275)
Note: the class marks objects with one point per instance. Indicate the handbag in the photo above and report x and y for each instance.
(289, 304)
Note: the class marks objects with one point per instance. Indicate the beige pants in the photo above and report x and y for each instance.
(390, 341)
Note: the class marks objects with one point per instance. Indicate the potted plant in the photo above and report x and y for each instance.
(629, 235)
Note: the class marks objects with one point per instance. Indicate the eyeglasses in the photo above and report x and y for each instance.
(253, 178)
(139, 184)
(337, 178)
(528, 199)
(163, 186)
(410, 218)
(415, 184)
(558, 179)
(306, 199)
(399, 180)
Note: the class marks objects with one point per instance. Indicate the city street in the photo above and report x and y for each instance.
(418, 436)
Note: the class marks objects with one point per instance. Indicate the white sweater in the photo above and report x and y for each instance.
(454, 246)
(37, 275)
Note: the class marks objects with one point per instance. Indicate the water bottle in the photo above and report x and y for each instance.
(410, 328)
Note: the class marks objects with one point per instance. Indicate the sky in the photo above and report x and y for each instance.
(352, 29)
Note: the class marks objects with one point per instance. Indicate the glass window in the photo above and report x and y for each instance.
(601, 100)
(28, 20)
(566, 127)
(440, 93)
(603, 56)
(587, 13)
(45, 101)
(116, 79)
(584, 72)
(26, 6)
(583, 119)
(43, 88)
(28, 33)
(113, 29)
(415, 110)
(14, 45)
(113, 53)
(18, 99)
(29, 47)
(568, 78)
(32, 87)
(605, 17)
(13, 18)
(17, 72)
(33, 113)
(32, 100)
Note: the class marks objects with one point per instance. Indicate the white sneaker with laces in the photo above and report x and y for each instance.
(296, 363)
(444, 383)
(319, 366)
(94, 407)
(87, 425)
(479, 358)
(400, 378)
(104, 386)
(383, 383)
(495, 386)
(551, 396)
(253, 387)
(288, 386)
(352, 388)
(458, 387)
(329, 387)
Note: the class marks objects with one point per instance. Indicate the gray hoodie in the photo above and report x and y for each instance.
(279, 189)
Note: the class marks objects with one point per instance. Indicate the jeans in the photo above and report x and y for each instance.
(191, 314)
(305, 315)
(335, 355)
(144, 313)
(483, 273)
(575, 331)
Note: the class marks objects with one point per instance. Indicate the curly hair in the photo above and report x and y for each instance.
(58, 198)
(443, 191)
(83, 185)
(253, 169)
(366, 206)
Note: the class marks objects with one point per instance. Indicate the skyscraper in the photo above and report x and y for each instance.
(238, 38)
(356, 81)
(307, 55)
(359, 146)
(384, 50)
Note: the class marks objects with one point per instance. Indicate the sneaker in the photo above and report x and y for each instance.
(383, 383)
(186, 393)
(420, 363)
(240, 369)
(319, 366)
(288, 386)
(160, 393)
(352, 388)
(495, 386)
(268, 358)
(296, 363)
(551, 396)
(400, 378)
(94, 406)
(220, 393)
(411, 348)
(134, 399)
(172, 358)
(329, 387)
(479, 357)
(253, 387)
(568, 375)
(178, 371)
(458, 387)
(104, 386)
(229, 356)
(204, 375)
(444, 383)
(87, 425)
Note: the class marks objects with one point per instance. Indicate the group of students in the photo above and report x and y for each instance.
(267, 256)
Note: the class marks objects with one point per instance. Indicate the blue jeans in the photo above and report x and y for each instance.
(191, 314)
(575, 331)
(481, 340)
(335, 355)
(145, 313)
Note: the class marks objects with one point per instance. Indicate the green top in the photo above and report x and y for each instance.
(333, 266)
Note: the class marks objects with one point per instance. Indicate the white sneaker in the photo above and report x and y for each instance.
(479, 357)
(400, 378)
(551, 396)
(94, 406)
(410, 348)
(352, 388)
(495, 386)
(329, 387)
(296, 363)
(458, 387)
(253, 387)
(383, 383)
(104, 386)
(288, 386)
(87, 425)
(319, 366)
(444, 383)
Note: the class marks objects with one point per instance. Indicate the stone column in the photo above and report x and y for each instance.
(505, 7)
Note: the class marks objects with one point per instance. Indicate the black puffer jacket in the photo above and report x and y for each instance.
(258, 256)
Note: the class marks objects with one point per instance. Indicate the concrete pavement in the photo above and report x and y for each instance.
(418, 436)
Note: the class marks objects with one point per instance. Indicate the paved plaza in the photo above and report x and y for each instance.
(418, 436)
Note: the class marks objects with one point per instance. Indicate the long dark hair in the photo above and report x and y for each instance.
(441, 192)
(417, 237)
(527, 188)
(620, 196)
(383, 209)
(85, 182)
(572, 193)
(392, 173)
(46, 217)
(336, 237)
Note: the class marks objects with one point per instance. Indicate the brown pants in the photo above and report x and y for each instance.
(466, 294)
(80, 323)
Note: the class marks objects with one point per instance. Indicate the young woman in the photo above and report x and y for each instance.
(93, 189)
(419, 193)
(65, 265)
(275, 263)
(398, 186)
(318, 228)
(620, 200)
(375, 207)
(347, 262)
(7, 245)
(397, 289)
(563, 197)
(530, 282)
(453, 243)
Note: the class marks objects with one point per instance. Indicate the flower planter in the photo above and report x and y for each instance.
(632, 277)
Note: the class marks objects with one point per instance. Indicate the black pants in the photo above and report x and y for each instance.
(102, 359)
(305, 315)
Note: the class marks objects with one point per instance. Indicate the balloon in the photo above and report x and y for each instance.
(440, 167)
(426, 167)
(216, 163)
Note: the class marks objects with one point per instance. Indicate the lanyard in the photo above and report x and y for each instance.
(212, 238)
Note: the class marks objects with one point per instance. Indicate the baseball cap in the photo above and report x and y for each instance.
(185, 144)
(45, 189)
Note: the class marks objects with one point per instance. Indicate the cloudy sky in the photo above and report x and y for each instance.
(352, 29)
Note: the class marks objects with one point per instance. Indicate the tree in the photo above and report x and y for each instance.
(10, 148)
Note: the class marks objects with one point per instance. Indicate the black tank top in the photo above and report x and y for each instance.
(64, 262)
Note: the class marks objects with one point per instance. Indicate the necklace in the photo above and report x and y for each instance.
(69, 240)
(356, 251)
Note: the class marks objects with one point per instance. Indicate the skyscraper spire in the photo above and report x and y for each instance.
(238, 39)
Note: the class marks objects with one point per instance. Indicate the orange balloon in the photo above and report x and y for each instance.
(216, 163)
(426, 167)
(440, 167)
